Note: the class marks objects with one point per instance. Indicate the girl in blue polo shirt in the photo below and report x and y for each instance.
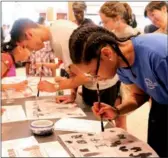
(142, 65)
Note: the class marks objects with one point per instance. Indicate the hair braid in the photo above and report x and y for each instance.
(85, 42)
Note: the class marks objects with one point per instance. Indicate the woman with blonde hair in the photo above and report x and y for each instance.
(118, 18)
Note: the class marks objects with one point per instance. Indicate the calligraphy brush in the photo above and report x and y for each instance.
(38, 92)
(98, 95)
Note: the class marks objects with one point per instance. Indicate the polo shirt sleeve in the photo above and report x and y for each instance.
(123, 78)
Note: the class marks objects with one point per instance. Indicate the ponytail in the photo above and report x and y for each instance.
(7, 47)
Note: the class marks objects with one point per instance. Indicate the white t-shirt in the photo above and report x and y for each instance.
(61, 31)
(104, 84)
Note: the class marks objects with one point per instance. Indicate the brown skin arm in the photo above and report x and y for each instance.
(132, 98)
(17, 86)
(53, 70)
(27, 68)
(4, 69)
(73, 82)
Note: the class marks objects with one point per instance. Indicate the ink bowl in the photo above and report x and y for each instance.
(42, 127)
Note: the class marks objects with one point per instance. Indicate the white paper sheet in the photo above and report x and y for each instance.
(10, 148)
(32, 83)
(25, 147)
(48, 108)
(54, 149)
(13, 114)
(106, 144)
(29, 147)
(15, 79)
(78, 125)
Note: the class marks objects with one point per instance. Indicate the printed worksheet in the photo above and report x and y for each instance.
(29, 147)
(78, 125)
(10, 147)
(13, 113)
(54, 149)
(48, 108)
(114, 142)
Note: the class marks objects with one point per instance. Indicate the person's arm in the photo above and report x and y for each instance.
(70, 83)
(73, 82)
(76, 79)
(27, 68)
(6, 63)
(132, 98)
(53, 70)
(17, 86)
(4, 69)
(67, 98)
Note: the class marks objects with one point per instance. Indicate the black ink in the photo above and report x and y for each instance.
(123, 148)
(91, 154)
(77, 136)
(116, 143)
(90, 134)
(136, 149)
(68, 141)
(121, 136)
(81, 142)
(84, 150)
(142, 155)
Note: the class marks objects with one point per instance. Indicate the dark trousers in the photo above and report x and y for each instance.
(107, 96)
(158, 128)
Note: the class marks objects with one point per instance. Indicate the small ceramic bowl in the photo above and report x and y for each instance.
(42, 127)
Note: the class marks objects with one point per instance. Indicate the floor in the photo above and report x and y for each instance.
(137, 120)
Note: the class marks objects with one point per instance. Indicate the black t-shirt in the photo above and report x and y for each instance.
(87, 21)
(150, 28)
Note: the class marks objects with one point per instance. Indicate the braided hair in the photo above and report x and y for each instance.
(85, 44)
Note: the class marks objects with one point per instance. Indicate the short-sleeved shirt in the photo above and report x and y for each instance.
(61, 31)
(8, 61)
(45, 55)
(150, 66)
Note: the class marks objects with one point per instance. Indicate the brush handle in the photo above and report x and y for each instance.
(102, 125)
(38, 93)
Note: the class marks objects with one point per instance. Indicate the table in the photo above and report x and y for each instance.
(17, 130)
(23, 130)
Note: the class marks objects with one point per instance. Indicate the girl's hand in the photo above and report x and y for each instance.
(46, 86)
(105, 111)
